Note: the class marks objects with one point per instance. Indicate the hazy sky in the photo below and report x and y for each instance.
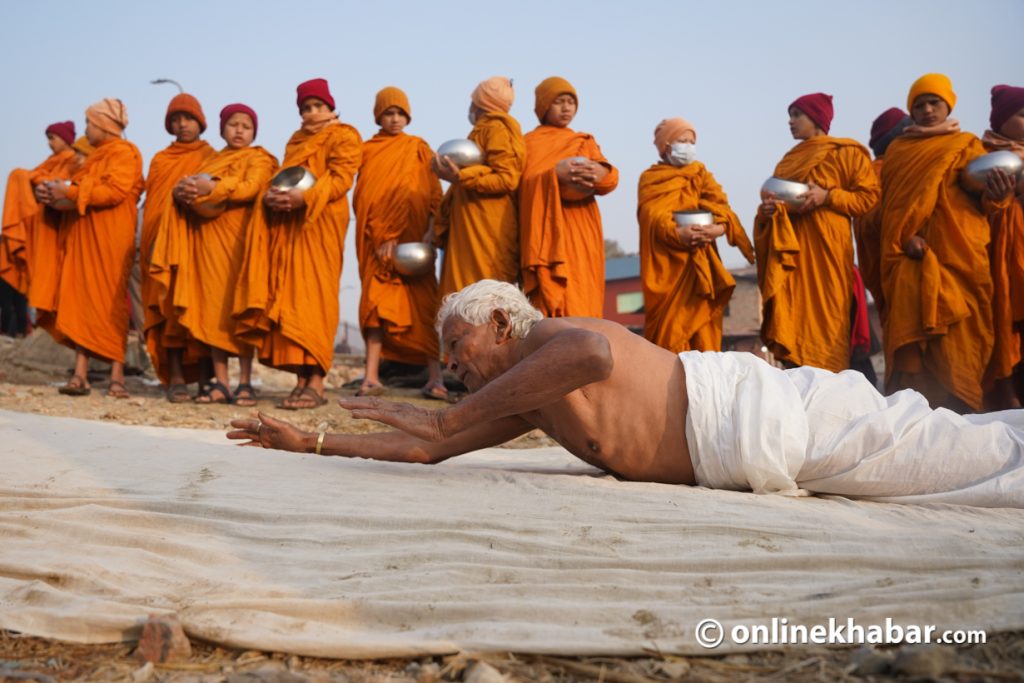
(729, 67)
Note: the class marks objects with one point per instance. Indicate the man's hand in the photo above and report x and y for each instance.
(284, 200)
(999, 185)
(915, 247)
(813, 198)
(414, 421)
(43, 193)
(445, 168)
(386, 253)
(769, 203)
(268, 432)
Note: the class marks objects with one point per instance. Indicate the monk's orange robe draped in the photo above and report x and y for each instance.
(395, 197)
(685, 290)
(805, 261)
(210, 259)
(561, 242)
(867, 231)
(287, 299)
(160, 215)
(99, 249)
(28, 237)
(1006, 219)
(939, 323)
(477, 222)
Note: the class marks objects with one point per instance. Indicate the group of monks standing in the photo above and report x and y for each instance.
(257, 273)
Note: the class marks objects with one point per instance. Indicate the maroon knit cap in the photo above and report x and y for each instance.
(1007, 100)
(239, 108)
(818, 107)
(886, 121)
(65, 130)
(314, 88)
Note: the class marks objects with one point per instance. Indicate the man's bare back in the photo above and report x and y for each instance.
(607, 395)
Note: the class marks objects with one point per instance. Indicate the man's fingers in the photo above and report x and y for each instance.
(240, 434)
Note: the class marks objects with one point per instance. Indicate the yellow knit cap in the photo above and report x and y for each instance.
(548, 90)
(391, 97)
(932, 84)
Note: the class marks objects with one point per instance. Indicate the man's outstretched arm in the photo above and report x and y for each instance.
(558, 362)
(396, 446)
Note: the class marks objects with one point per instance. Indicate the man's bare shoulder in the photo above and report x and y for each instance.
(617, 336)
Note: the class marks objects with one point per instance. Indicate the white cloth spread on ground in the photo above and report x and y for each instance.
(529, 551)
(751, 426)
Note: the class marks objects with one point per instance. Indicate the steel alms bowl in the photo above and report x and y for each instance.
(974, 176)
(62, 204)
(206, 209)
(293, 178)
(683, 218)
(414, 258)
(462, 152)
(788, 191)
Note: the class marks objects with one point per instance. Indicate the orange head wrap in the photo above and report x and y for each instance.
(932, 84)
(82, 146)
(494, 94)
(183, 103)
(670, 130)
(548, 90)
(391, 97)
(109, 115)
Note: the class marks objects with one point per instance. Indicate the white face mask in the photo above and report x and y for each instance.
(681, 153)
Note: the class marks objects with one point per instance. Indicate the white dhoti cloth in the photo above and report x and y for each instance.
(751, 426)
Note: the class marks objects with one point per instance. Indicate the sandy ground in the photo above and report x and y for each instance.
(31, 369)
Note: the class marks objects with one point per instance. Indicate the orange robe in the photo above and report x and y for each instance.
(161, 215)
(26, 227)
(938, 330)
(477, 223)
(395, 197)
(685, 290)
(561, 242)
(210, 258)
(287, 298)
(867, 231)
(1006, 219)
(805, 261)
(99, 249)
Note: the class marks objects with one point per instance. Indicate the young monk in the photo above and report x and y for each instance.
(560, 236)
(174, 356)
(1006, 218)
(211, 258)
(166, 340)
(291, 311)
(686, 287)
(935, 265)
(805, 256)
(48, 237)
(92, 298)
(395, 199)
(23, 216)
(476, 224)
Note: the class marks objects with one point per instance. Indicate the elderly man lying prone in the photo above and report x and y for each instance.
(722, 420)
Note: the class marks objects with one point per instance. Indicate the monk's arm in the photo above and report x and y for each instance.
(860, 191)
(713, 193)
(610, 180)
(395, 446)
(116, 184)
(503, 170)
(342, 166)
(662, 225)
(245, 187)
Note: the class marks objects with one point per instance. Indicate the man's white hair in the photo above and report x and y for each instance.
(475, 303)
